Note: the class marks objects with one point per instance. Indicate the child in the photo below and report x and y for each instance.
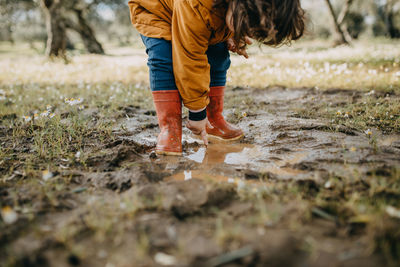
(188, 43)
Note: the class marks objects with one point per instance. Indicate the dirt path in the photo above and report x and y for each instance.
(289, 194)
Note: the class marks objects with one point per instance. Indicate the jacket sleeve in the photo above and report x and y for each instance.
(190, 37)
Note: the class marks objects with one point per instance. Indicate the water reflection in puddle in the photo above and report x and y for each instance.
(232, 154)
(220, 162)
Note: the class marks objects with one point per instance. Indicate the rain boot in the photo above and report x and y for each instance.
(169, 113)
(222, 130)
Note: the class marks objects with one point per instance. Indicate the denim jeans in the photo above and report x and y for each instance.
(161, 69)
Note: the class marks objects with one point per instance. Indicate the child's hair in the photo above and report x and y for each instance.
(271, 22)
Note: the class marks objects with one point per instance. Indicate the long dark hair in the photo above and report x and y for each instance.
(271, 22)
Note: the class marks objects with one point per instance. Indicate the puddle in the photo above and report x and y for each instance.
(212, 162)
(223, 163)
(232, 154)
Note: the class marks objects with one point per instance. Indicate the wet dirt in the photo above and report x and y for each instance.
(278, 148)
(224, 205)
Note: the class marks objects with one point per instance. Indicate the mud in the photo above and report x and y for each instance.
(227, 205)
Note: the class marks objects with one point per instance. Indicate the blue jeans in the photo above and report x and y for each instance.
(161, 69)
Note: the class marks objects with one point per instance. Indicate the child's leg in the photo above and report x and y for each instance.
(165, 95)
(219, 60)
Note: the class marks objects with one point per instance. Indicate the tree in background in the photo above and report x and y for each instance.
(339, 27)
(118, 16)
(62, 15)
(78, 14)
(56, 29)
(81, 26)
(24, 20)
(388, 12)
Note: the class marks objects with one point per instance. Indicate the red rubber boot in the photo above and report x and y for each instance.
(169, 113)
(222, 130)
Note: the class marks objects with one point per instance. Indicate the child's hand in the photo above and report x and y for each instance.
(232, 47)
(199, 128)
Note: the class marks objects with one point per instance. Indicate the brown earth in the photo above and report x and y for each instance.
(289, 194)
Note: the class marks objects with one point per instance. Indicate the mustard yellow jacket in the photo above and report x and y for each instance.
(191, 26)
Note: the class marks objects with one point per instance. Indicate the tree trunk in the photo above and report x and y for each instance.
(389, 21)
(56, 30)
(393, 31)
(339, 36)
(87, 34)
(340, 20)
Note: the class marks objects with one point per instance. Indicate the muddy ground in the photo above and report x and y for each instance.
(295, 191)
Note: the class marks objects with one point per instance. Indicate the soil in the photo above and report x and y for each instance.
(227, 205)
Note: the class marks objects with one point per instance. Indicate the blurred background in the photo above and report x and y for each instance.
(48, 26)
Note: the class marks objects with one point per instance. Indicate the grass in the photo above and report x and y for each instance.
(364, 67)
(72, 127)
(381, 113)
(28, 86)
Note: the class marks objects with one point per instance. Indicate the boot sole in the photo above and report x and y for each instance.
(217, 138)
(168, 153)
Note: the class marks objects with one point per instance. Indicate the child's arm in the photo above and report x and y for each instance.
(190, 37)
(190, 40)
